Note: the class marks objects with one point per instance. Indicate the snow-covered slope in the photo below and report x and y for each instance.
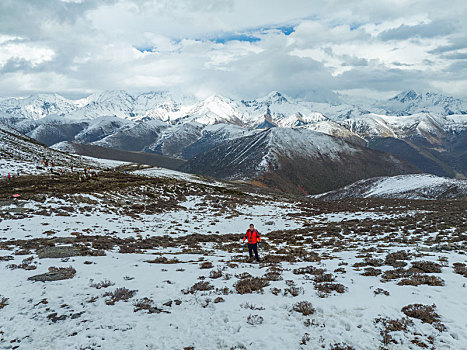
(411, 102)
(133, 262)
(21, 155)
(419, 186)
(292, 159)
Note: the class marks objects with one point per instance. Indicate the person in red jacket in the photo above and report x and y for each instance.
(253, 237)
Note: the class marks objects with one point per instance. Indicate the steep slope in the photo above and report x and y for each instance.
(295, 160)
(124, 156)
(19, 152)
(421, 186)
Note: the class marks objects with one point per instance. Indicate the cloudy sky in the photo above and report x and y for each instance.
(238, 48)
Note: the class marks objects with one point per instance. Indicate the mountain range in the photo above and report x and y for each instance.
(294, 145)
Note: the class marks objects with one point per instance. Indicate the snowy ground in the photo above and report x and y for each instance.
(160, 237)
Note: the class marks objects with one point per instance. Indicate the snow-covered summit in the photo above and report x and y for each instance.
(416, 186)
(411, 102)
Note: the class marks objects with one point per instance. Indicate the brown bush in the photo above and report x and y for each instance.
(215, 273)
(147, 304)
(381, 291)
(206, 265)
(371, 271)
(390, 325)
(419, 279)
(326, 277)
(250, 285)
(163, 260)
(118, 295)
(425, 313)
(341, 346)
(275, 291)
(201, 286)
(304, 307)
(324, 289)
(293, 291)
(272, 276)
(102, 284)
(374, 262)
(3, 302)
(426, 266)
(243, 275)
(460, 269)
(308, 270)
(394, 259)
(395, 274)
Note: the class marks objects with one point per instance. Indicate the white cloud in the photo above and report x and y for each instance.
(234, 47)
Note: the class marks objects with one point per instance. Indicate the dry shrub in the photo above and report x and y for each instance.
(371, 271)
(293, 291)
(142, 304)
(419, 279)
(394, 259)
(163, 260)
(425, 313)
(276, 291)
(304, 307)
(426, 266)
(254, 320)
(381, 291)
(374, 262)
(395, 274)
(215, 273)
(460, 269)
(308, 270)
(326, 277)
(341, 346)
(3, 302)
(102, 284)
(118, 295)
(206, 265)
(390, 325)
(247, 305)
(147, 304)
(201, 286)
(243, 275)
(250, 285)
(325, 289)
(272, 276)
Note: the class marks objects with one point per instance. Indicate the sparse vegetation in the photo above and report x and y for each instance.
(3, 302)
(119, 294)
(250, 285)
(425, 313)
(304, 307)
(254, 320)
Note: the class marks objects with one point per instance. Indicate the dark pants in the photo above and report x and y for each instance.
(253, 248)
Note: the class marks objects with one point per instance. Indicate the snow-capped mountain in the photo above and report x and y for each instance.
(419, 128)
(295, 160)
(37, 106)
(411, 102)
(418, 186)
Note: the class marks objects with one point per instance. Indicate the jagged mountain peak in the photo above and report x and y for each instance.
(275, 97)
(406, 96)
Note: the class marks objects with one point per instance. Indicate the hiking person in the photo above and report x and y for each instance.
(9, 177)
(253, 237)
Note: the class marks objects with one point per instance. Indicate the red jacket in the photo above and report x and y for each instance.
(252, 236)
